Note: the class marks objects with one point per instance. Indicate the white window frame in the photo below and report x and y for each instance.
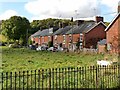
(81, 45)
(49, 38)
(64, 38)
(81, 37)
(55, 37)
(39, 40)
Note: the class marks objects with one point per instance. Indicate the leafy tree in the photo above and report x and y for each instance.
(107, 23)
(47, 23)
(15, 28)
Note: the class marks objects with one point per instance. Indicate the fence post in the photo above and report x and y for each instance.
(50, 79)
(119, 73)
(23, 79)
(2, 81)
(15, 79)
(96, 77)
(42, 79)
(10, 80)
(35, 79)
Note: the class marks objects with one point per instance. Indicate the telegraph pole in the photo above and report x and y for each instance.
(72, 33)
(27, 38)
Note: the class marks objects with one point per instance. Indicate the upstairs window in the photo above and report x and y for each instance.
(49, 38)
(55, 37)
(81, 37)
(64, 38)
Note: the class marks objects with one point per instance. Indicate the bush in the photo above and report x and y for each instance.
(50, 44)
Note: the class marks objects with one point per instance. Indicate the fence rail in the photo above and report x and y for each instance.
(81, 77)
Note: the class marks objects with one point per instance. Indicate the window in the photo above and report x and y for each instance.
(81, 37)
(64, 38)
(70, 38)
(55, 37)
(81, 45)
(49, 39)
(39, 41)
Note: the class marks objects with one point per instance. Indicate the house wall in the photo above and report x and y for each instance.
(69, 40)
(92, 37)
(112, 35)
(58, 40)
(36, 39)
(101, 48)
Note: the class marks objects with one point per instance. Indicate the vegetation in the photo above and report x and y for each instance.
(2, 38)
(15, 28)
(47, 23)
(14, 59)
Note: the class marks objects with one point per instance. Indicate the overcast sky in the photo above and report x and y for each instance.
(42, 9)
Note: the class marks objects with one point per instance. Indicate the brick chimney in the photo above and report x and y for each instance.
(99, 18)
(118, 6)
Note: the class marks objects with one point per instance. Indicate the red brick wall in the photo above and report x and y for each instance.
(75, 39)
(36, 39)
(58, 40)
(93, 36)
(101, 48)
(112, 34)
(41, 39)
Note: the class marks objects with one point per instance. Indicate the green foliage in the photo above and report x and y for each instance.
(47, 23)
(107, 23)
(15, 28)
(29, 41)
(50, 44)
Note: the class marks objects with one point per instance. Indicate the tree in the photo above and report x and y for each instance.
(47, 23)
(6, 29)
(16, 28)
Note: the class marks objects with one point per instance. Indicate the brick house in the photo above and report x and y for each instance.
(59, 36)
(34, 36)
(87, 33)
(113, 33)
(44, 36)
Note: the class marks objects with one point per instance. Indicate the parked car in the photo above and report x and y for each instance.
(52, 49)
(33, 47)
(42, 48)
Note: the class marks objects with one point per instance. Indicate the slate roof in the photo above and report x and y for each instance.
(62, 31)
(36, 33)
(45, 32)
(84, 27)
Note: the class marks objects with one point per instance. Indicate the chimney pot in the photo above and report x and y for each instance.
(99, 18)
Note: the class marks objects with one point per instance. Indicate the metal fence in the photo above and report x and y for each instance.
(81, 77)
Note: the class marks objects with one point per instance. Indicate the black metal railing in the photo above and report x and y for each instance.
(81, 77)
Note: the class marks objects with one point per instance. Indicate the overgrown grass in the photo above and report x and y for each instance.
(14, 59)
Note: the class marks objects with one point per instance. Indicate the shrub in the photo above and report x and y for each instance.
(50, 44)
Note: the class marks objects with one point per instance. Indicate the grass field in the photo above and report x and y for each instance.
(14, 59)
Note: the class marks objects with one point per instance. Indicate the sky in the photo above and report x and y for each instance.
(42, 9)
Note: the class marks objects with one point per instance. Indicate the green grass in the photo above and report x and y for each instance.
(14, 59)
